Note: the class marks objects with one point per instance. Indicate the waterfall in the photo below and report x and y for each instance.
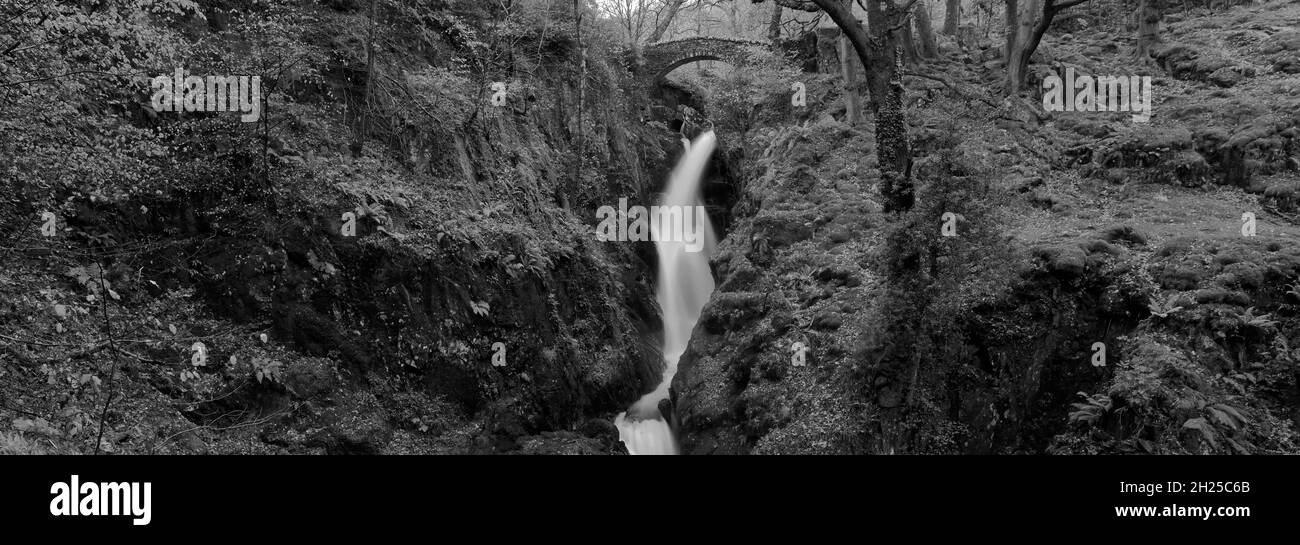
(685, 283)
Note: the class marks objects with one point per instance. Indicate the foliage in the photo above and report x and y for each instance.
(268, 369)
(1160, 401)
(737, 100)
(918, 349)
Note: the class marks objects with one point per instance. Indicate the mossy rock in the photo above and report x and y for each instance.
(1222, 296)
(1124, 233)
(1069, 261)
(735, 309)
(1180, 276)
(1287, 40)
(1285, 195)
(1175, 246)
(307, 378)
(1246, 275)
(1097, 246)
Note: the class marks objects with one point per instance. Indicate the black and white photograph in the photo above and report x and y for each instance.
(937, 230)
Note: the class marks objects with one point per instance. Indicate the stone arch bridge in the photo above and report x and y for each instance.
(660, 58)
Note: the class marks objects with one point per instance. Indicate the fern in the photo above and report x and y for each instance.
(1228, 416)
(1262, 322)
(1164, 308)
(1294, 290)
(1092, 409)
(1206, 430)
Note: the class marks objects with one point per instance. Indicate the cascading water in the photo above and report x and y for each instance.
(685, 283)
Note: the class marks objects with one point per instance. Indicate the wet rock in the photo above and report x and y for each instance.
(603, 431)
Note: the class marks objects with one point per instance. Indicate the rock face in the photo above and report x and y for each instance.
(1122, 280)
(784, 277)
(471, 309)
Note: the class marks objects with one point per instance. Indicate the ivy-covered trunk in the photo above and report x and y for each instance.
(886, 81)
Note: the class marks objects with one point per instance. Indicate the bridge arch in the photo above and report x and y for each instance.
(658, 59)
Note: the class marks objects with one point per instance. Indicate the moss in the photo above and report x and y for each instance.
(1222, 296)
(1174, 246)
(1124, 233)
(1180, 276)
(1065, 260)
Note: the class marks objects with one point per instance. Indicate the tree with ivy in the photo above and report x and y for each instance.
(879, 50)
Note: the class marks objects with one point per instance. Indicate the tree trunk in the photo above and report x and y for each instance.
(852, 102)
(774, 26)
(359, 143)
(1012, 19)
(925, 31)
(733, 17)
(1149, 14)
(841, 13)
(880, 54)
(910, 56)
(951, 17)
(665, 20)
(1031, 36)
(893, 151)
(1018, 63)
(582, 95)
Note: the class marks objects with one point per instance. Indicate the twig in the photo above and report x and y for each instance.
(108, 330)
(17, 410)
(256, 422)
(38, 343)
(34, 80)
(139, 357)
